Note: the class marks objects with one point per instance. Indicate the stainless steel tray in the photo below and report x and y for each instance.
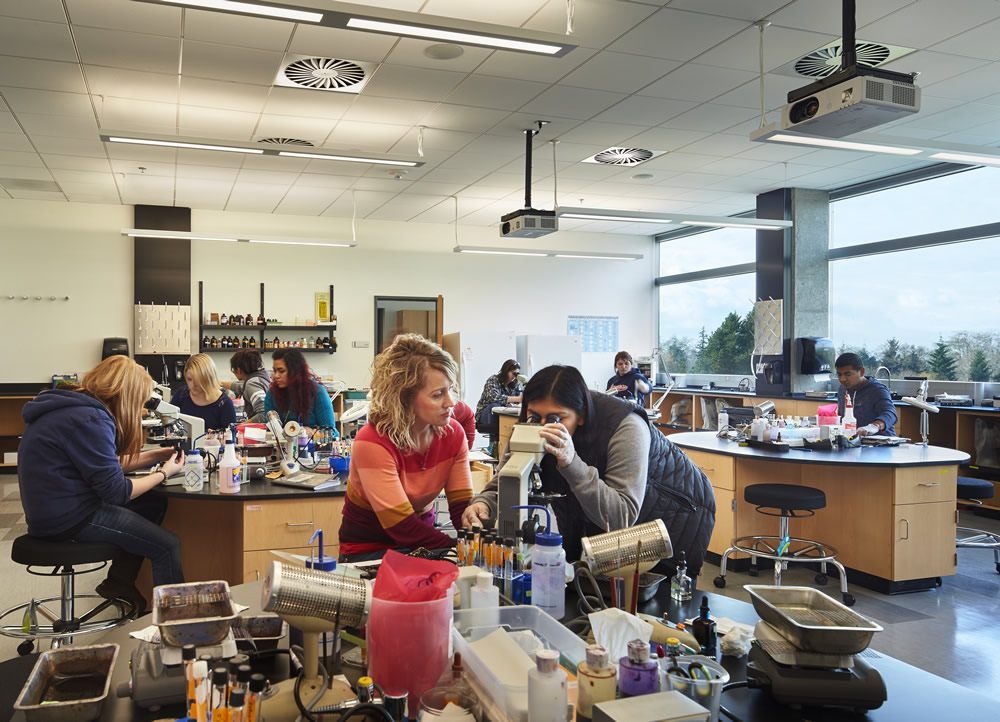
(811, 620)
(199, 613)
(66, 683)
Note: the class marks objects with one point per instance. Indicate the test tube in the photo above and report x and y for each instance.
(460, 546)
(201, 691)
(236, 708)
(189, 654)
(257, 685)
(508, 567)
(220, 691)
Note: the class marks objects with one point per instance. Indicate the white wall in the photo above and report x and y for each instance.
(80, 244)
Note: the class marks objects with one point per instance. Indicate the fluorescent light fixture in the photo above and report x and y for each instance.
(151, 233)
(624, 216)
(398, 23)
(348, 158)
(842, 144)
(542, 253)
(182, 144)
(967, 158)
(450, 36)
(285, 13)
(172, 141)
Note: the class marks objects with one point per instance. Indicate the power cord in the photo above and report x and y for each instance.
(726, 688)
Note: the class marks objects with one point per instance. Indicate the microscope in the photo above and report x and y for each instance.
(519, 481)
(168, 414)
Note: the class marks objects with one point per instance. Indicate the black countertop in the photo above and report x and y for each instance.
(884, 456)
(257, 490)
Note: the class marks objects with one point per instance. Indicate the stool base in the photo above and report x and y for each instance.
(979, 539)
(57, 627)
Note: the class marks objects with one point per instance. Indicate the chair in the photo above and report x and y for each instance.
(790, 502)
(971, 491)
(34, 620)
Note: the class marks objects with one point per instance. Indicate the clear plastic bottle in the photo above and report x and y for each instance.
(548, 569)
(850, 423)
(229, 470)
(484, 595)
(194, 471)
(639, 674)
(680, 584)
(596, 679)
(547, 693)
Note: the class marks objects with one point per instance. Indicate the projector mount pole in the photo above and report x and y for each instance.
(849, 53)
(529, 134)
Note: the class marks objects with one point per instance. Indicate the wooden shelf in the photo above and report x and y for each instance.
(282, 327)
(205, 327)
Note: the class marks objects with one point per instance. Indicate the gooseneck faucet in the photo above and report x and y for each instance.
(888, 377)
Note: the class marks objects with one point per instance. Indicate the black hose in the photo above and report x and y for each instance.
(726, 688)
(588, 602)
(366, 707)
(298, 700)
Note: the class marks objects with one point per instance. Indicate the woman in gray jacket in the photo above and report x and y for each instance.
(253, 381)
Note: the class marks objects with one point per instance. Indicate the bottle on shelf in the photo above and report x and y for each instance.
(248, 320)
(245, 342)
(253, 342)
(680, 584)
(276, 343)
(547, 688)
(223, 320)
(205, 342)
(596, 679)
(260, 319)
(213, 342)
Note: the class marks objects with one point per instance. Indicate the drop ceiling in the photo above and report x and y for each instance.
(678, 76)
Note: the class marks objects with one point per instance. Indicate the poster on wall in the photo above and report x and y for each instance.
(599, 333)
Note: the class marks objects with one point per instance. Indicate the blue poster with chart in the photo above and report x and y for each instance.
(599, 333)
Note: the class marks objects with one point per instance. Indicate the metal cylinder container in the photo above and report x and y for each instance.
(297, 591)
(606, 553)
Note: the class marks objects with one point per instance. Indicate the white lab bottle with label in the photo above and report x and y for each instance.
(229, 471)
(547, 693)
(194, 471)
(850, 423)
(548, 569)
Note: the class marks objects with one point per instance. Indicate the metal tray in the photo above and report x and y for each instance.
(811, 620)
(199, 613)
(81, 699)
(260, 632)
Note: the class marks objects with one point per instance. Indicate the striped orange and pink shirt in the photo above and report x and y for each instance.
(390, 495)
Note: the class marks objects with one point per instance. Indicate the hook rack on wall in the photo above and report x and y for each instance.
(12, 297)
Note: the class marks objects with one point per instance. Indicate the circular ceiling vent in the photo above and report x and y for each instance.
(324, 73)
(623, 156)
(826, 61)
(286, 141)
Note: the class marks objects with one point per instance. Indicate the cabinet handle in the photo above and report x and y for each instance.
(298, 523)
(930, 484)
(907, 528)
(258, 575)
(707, 471)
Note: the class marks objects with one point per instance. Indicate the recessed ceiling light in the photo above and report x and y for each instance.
(968, 158)
(182, 144)
(348, 158)
(302, 16)
(643, 176)
(444, 51)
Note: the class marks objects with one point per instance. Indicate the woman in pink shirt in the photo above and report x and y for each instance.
(408, 452)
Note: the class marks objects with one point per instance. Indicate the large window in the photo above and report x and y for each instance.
(924, 310)
(701, 251)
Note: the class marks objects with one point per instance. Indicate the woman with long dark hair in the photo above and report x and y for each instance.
(614, 467)
(501, 389)
(296, 393)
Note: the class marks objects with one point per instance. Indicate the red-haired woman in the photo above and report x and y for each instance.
(295, 393)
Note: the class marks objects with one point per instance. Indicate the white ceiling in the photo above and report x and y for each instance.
(670, 75)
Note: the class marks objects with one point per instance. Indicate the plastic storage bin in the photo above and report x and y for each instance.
(707, 693)
(512, 700)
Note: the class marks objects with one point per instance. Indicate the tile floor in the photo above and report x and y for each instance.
(952, 631)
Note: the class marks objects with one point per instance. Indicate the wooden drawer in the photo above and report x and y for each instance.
(328, 511)
(922, 484)
(719, 469)
(277, 524)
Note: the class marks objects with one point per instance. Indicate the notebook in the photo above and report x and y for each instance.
(308, 480)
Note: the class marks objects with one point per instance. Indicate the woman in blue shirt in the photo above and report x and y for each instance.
(628, 382)
(295, 393)
(203, 397)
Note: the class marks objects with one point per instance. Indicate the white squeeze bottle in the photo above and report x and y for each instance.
(548, 569)
(850, 423)
(483, 595)
(229, 471)
(194, 471)
(547, 694)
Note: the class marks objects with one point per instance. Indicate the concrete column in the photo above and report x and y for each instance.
(809, 310)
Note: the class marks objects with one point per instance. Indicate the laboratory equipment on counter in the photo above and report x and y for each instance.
(519, 476)
(638, 673)
(663, 707)
(699, 678)
(704, 630)
(194, 471)
(548, 570)
(597, 681)
(288, 434)
(607, 553)
(168, 415)
(807, 650)
(920, 401)
(547, 688)
(681, 585)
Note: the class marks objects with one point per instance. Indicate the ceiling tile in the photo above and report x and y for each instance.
(372, 137)
(81, 176)
(970, 85)
(305, 201)
(824, 16)
(41, 74)
(36, 39)
(922, 24)
(619, 72)
(567, 102)
(444, 212)
(127, 167)
(774, 152)
(404, 207)
(367, 201)
(315, 130)
(776, 89)
(677, 35)
(226, 62)
(8, 124)
(698, 82)
(256, 197)
(310, 103)
(593, 131)
(643, 110)
(710, 117)
(216, 122)
(744, 10)
(400, 81)
(979, 42)
(665, 139)
(389, 111)
(936, 67)
(17, 157)
(143, 153)
(132, 16)
(267, 177)
(720, 144)
(781, 45)
(62, 125)
(239, 30)
(48, 102)
(435, 140)
(201, 193)
(36, 195)
(204, 172)
(237, 96)
(410, 51)
(596, 24)
(90, 193)
(491, 92)
(521, 66)
(459, 176)
(462, 118)
(24, 172)
(126, 114)
(132, 51)
(121, 83)
(336, 169)
(734, 166)
(512, 12)
(383, 183)
(428, 188)
(328, 182)
(34, 10)
(344, 44)
(276, 163)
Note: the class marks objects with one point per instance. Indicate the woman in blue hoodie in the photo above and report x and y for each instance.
(79, 443)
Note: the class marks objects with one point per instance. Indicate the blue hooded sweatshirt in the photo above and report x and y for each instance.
(67, 462)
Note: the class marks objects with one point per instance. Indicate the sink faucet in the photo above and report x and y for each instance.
(744, 384)
(888, 377)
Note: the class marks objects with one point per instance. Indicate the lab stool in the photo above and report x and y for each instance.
(971, 491)
(45, 624)
(791, 502)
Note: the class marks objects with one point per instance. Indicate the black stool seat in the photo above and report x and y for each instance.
(785, 496)
(32, 551)
(972, 488)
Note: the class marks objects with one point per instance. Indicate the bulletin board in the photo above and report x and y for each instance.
(599, 333)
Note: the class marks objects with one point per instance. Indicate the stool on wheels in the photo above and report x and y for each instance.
(34, 620)
(972, 491)
(791, 502)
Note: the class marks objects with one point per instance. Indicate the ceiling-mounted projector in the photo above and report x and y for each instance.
(528, 223)
(851, 106)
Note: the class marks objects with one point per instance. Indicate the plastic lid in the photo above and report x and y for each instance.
(188, 652)
(547, 539)
(243, 673)
(201, 669)
(638, 651)
(365, 681)
(547, 660)
(597, 656)
(194, 452)
(236, 697)
(220, 675)
(484, 579)
(257, 682)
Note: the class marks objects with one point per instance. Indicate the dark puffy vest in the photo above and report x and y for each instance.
(676, 489)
